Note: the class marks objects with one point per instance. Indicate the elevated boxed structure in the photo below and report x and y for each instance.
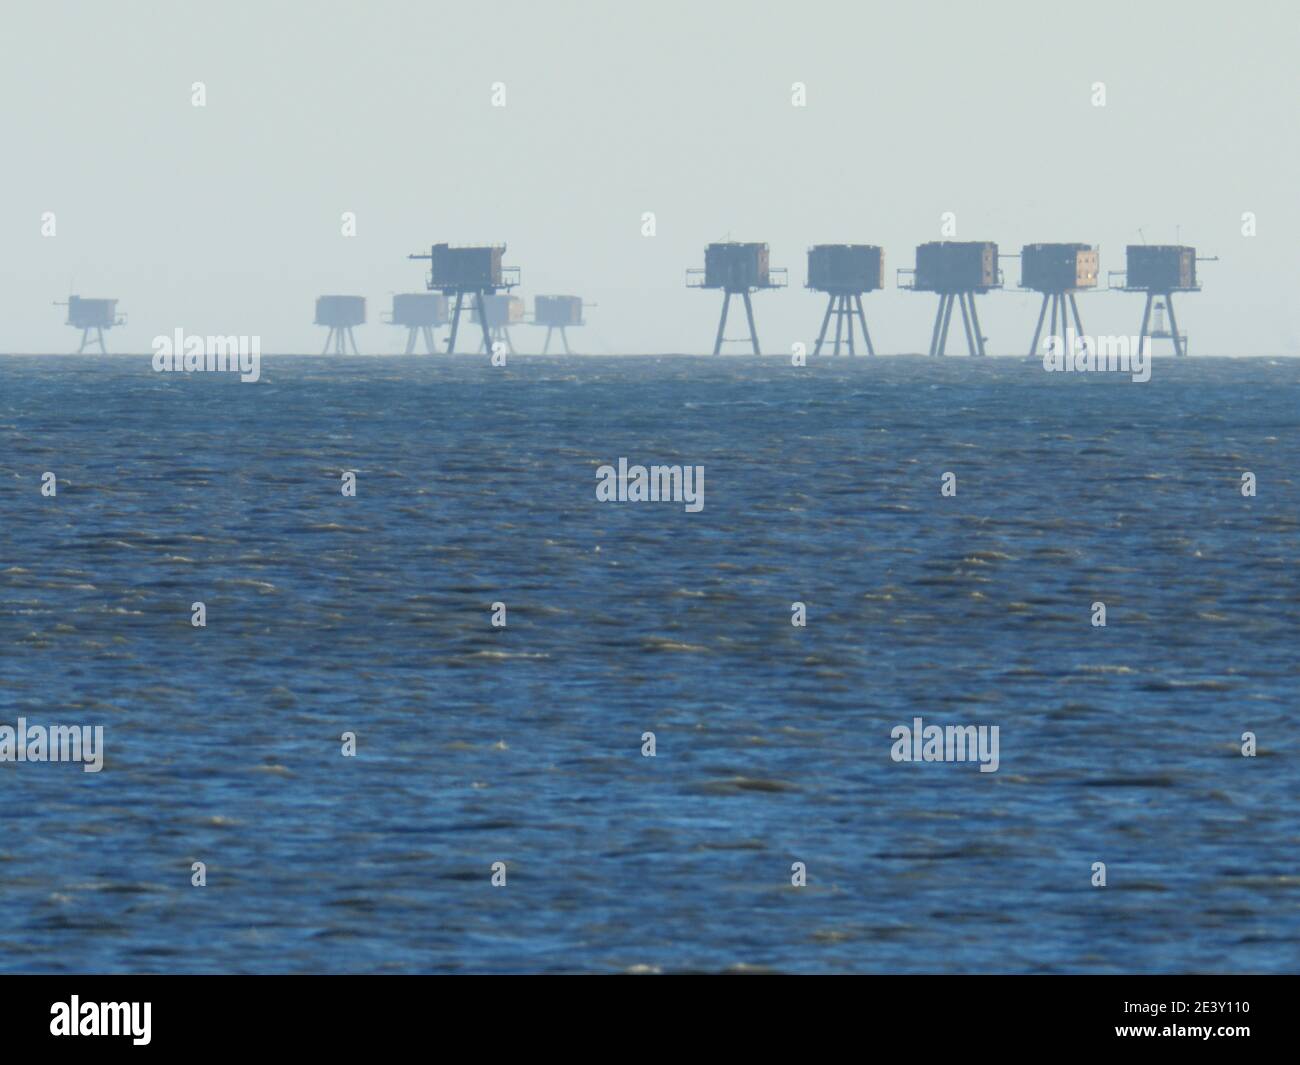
(737, 268)
(956, 270)
(340, 314)
(845, 272)
(1058, 271)
(92, 314)
(420, 313)
(503, 311)
(1158, 271)
(476, 270)
(557, 312)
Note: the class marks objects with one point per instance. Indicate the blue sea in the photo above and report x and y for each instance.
(479, 744)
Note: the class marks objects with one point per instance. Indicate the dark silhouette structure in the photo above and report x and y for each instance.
(1158, 271)
(956, 270)
(471, 270)
(1058, 271)
(738, 269)
(845, 272)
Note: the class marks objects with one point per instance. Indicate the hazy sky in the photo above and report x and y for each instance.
(226, 218)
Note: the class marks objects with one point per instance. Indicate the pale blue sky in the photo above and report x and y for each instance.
(226, 219)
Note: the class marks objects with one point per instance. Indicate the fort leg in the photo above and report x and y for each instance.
(410, 340)
(938, 322)
(1179, 350)
(1146, 319)
(353, 339)
(329, 339)
(483, 318)
(455, 324)
(847, 308)
(947, 317)
(546, 344)
(866, 336)
(826, 321)
(975, 324)
(428, 339)
(839, 322)
(1078, 324)
(564, 336)
(1038, 329)
(965, 321)
(749, 313)
(722, 323)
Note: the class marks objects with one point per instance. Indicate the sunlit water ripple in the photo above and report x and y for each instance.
(475, 485)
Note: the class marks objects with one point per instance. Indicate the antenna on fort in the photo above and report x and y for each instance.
(558, 312)
(1159, 270)
(85, 314)
(420, 313)
(738, 269)
(340, 313)
(466, 270)
(844, 272)
(503, 311)
(1058, 271)
(955, 270)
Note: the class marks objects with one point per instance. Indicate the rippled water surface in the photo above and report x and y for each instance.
(372, 615)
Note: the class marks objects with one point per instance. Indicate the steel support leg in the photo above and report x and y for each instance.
(862, 317)
(483, 319)
(947, 317)
(1179, 350)
(826, 321)
(1038, 329)
(722, 323)
(965, 321)
(938, 322)
(749, 313)
(1078, 324)
(455, 324)
(1146, 319)
(975, 324)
